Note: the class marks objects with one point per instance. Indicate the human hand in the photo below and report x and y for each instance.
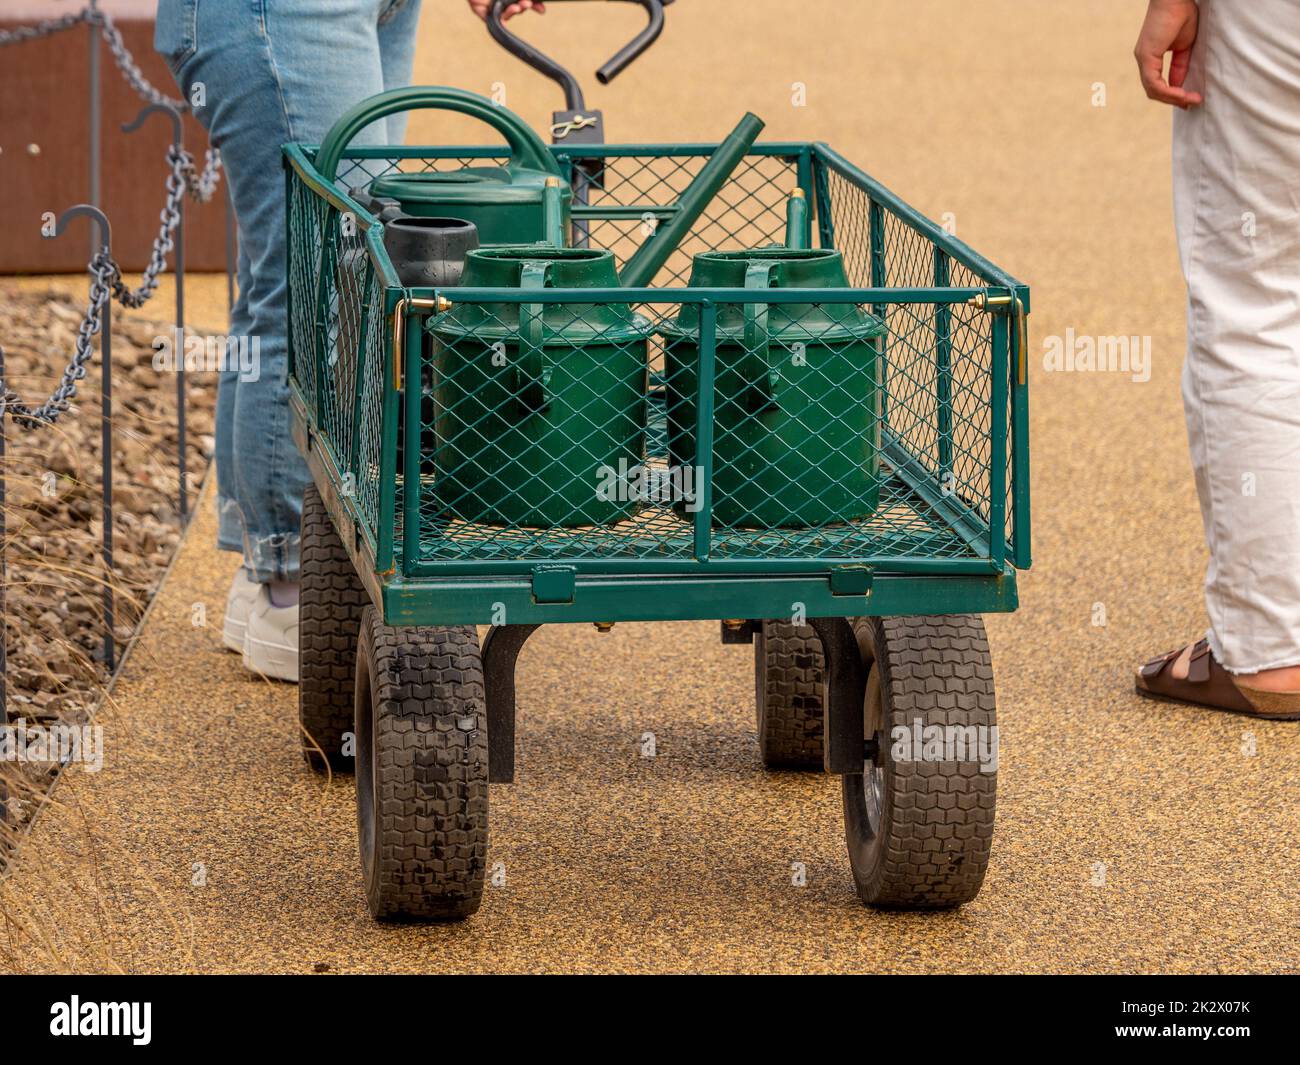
(482, 7)
(1170, 26)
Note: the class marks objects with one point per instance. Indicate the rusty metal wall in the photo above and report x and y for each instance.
(44, 138)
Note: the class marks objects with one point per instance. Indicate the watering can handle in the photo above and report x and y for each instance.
(758, 341)
(526, 147)
(533, 372)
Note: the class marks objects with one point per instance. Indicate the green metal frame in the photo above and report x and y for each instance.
(411, 589)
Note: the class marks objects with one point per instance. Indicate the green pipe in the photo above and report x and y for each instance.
(796, 220)
(640, 270)
(553, 212)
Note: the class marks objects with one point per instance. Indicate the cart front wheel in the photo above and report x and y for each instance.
(331, 598)
(422, 770)
(789, 685)
(919, 817)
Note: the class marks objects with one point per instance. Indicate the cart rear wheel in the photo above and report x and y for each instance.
(789, 683)
(331, 598)
(422, 770)
(919, 818)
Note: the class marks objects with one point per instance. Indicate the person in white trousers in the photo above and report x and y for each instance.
(1234, 75)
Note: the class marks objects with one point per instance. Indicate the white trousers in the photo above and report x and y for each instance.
(1237, 209)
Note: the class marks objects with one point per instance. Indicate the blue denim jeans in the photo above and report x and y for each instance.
(261, 73)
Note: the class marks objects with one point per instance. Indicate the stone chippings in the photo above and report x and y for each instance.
(54, 623)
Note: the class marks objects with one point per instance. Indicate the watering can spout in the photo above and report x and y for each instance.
(640, 270)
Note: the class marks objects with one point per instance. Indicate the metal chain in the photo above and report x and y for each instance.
(163, 243)
(202, 186)
(44, 28)
(184, 177)
(106, 276)
(112, 37)
(126, 63)
(106, 283)
(103, 273)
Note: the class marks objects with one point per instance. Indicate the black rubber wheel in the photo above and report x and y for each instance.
(331, 598)
(422, 770)
(919, 824)
(789, 689)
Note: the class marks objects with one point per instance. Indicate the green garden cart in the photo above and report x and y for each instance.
(810, 426)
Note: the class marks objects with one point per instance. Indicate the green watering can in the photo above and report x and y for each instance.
(525, 201)
(796, 433)
(538, 405)
(528, 200)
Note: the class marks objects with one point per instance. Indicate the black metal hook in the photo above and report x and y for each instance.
(178, 129)
(178, 143)
(86, 210)
(100, 220)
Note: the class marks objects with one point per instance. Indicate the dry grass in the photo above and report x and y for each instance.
(36, 935)
(55, 583)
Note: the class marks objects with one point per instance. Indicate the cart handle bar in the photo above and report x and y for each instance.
(614, 66)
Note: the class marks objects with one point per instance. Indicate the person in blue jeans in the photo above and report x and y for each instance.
(262, 73)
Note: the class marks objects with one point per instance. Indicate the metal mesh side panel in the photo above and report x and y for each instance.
(338, 339)
(944, 420)
(600, 461)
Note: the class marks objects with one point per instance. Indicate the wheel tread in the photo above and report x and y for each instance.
(937, 669)
(431, 751)
(790, 673)
(331, 599)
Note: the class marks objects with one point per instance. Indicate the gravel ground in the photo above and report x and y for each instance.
(54, 617)
(1131, 836)
(53, 501)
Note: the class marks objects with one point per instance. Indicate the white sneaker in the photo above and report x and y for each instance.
(271, 638)
(243, 594)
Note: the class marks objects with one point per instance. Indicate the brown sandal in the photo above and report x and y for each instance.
(1209, 684)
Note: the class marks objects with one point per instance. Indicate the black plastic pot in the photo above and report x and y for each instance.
(429, 252)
